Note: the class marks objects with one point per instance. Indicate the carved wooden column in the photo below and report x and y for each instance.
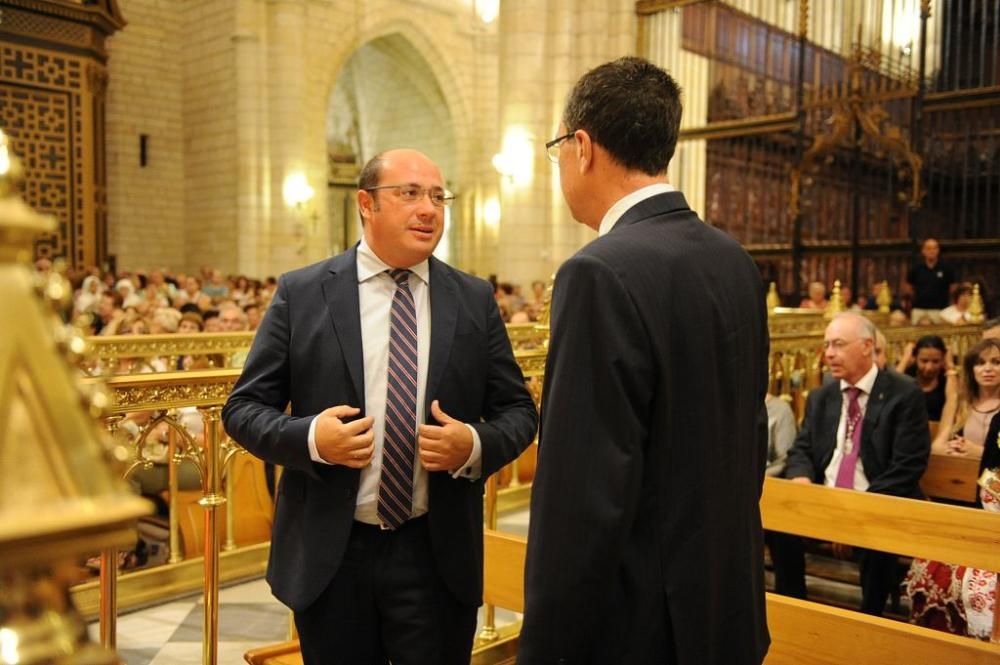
(53, 79)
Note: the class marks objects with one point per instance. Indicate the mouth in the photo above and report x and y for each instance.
(423, 232)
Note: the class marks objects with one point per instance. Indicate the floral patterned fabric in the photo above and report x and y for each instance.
(954, 599)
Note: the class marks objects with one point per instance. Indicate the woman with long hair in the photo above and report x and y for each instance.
(928, 361)
(945, 596)
(963, 427)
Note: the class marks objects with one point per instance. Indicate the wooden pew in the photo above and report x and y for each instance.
(806, 633)
(951, 477)
(802, 632)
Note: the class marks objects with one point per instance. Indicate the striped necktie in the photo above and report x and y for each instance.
(395, 493)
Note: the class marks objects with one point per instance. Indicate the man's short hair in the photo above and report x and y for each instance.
(632, 109)
(866, 329)
(369, 177)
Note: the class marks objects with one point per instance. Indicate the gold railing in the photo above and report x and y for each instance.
(796, 357)
(163, 394)
(144, 353)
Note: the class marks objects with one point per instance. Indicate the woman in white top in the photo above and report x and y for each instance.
(958, 312)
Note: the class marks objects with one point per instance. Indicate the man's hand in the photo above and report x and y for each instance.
(350, 444)
(802, 480)
(444, 448)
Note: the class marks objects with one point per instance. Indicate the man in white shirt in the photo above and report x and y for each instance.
(866, 431)
(405, 397)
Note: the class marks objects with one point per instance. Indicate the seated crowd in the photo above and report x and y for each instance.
(867, 429)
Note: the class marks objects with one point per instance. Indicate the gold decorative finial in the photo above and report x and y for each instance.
(836, 304)
(19, 224)
(976, 314)
(10, 168)
(773, 299)
(803, 18)
(884, 298)
(60, 497)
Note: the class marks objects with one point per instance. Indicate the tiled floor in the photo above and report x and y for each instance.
(249, 616)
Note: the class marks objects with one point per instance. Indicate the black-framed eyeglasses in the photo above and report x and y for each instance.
(412, 193)
(552, 147)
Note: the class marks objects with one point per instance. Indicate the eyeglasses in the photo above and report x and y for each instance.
(552, 147)
(413, 193)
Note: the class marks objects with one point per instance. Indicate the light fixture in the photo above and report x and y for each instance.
(491, 211)
(296, 190)
(516, 159)
(488, 10)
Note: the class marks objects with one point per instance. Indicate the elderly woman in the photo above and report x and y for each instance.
(89, 296)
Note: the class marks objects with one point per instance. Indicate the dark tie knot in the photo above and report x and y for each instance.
(400, 275)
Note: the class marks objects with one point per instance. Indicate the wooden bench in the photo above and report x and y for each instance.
(803, 632)
(951, 478)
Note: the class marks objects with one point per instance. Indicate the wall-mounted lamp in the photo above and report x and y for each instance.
(297, 194)
(906, 49)
(491, 212)
(296, 190)
(487, 10)
(516, 159)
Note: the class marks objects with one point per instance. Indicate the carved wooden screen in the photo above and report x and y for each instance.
(840, 175)
(52, 85)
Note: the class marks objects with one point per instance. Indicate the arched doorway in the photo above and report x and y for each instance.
(386, 96)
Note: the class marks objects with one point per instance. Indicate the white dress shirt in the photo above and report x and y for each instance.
(864, 384)
(622, 205)
(376, 290)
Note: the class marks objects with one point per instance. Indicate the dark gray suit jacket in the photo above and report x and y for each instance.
(308, 353)
(895, 438)
(645, 541)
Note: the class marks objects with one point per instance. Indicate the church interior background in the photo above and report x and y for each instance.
(830, 137)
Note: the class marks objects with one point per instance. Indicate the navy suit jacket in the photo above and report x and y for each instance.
(895, 438)
(645, 541)
(308, 353)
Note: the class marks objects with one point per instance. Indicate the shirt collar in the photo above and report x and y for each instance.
(621, 206)
(865, 383)
(370, 265)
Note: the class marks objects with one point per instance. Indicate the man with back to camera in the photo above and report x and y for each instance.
(645, 542)
(395, 423)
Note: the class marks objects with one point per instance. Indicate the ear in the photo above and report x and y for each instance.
(366, 204)
(584, 151)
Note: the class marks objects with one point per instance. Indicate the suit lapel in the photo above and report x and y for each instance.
(444, 315)
(831, 420)
(876, 400)
(340, 290)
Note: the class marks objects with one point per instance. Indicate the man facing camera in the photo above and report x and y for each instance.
(404, 397)
(645, 542)
(867, 431)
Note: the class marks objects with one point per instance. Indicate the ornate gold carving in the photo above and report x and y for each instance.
(803, 18)
(884, 298)
(836, 303)
(857, 109)
(773, 299)
(976, 306)
(169, 390)
(104, 351)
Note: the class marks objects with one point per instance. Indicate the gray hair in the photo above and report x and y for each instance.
(866, 329)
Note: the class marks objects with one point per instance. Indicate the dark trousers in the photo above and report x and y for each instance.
(387, 604)
(878, 571)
